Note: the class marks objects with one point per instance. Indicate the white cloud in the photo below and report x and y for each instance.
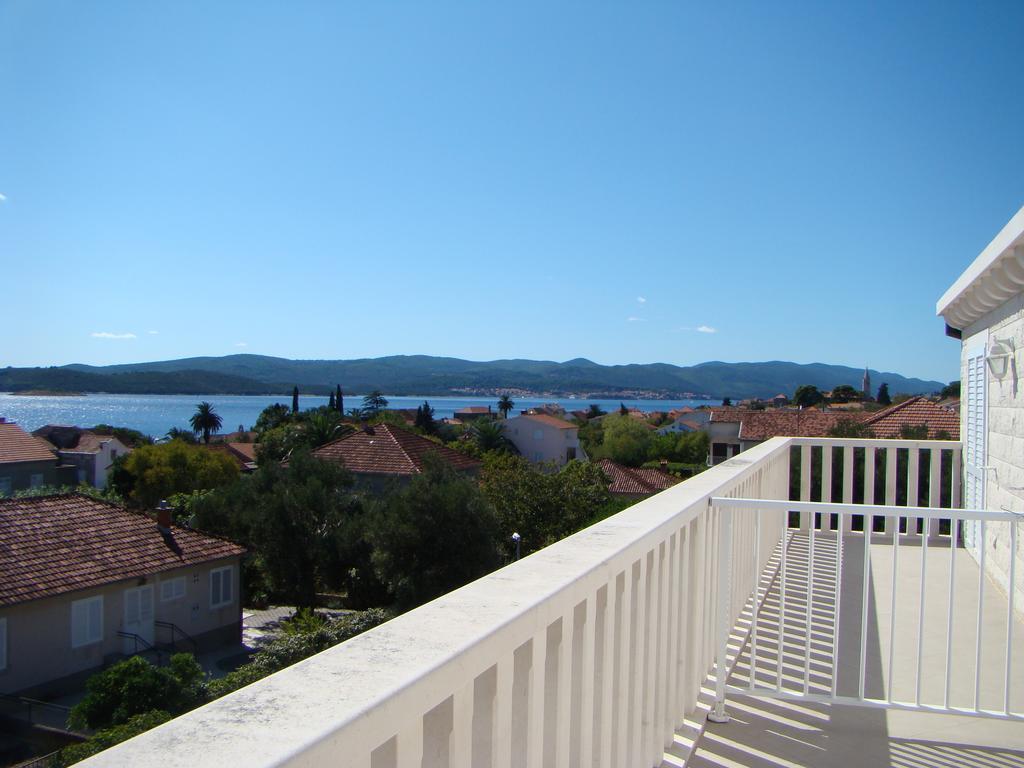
(241, 344)
(641, 299)
(636, 319)
(706, 329)
(153, 333)
(108, 335)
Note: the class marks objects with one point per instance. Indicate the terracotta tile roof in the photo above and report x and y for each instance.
(475, 409)
(913, 413)
(635, 482)
(762, 425)
(728, 415)
(55, 544)
(18, 445)
(384, 449)
(551, 421)
(243, 453)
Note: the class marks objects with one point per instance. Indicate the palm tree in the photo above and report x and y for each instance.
(489, 436)
(323, 426)
(505, 405)
(205, 420)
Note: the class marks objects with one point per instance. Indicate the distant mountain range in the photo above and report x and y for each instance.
(426, 375)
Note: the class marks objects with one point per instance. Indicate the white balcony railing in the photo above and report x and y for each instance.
(591, 652)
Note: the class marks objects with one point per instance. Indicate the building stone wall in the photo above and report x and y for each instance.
(1004, 480)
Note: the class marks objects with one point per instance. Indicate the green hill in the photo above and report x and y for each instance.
(426, 375)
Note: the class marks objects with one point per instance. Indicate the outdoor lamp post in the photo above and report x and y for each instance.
(517, 538)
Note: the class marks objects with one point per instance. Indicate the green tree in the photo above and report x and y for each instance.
(295, 399)
(623, 410)
(319, 427)
(626, 440)
(272, 416)
(154, 472)
(950, 390)
(594, 411)
(425, 418)
(108, 737)
(432, 536)
(185, 435)
(330, 402)
(844, 393)
(541, 507)
(883, 395)
(807, 395)
(292, 516)
(339, 399)
(726, 401)
(134, 686)
(374, 403)
(489, 435)
(505, 404)
(205, 421)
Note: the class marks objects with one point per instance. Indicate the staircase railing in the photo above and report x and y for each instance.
(175, 631)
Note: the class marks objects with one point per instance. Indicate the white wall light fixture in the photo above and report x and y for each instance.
(1000, 358)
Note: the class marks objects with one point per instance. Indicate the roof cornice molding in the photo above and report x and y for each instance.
(994, 277)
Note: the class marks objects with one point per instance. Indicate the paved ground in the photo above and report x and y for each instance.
(787, 733)
(259, 627)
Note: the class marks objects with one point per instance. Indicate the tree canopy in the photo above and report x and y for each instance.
(154, 472)
(807, 395)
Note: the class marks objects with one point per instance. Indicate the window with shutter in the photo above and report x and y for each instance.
(221, 593)
(974, 437)
(86, 621)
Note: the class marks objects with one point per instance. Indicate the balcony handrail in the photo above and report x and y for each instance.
(874, 442)
(456, 668)
(875, 510)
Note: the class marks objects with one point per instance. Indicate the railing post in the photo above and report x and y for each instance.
(718, 715)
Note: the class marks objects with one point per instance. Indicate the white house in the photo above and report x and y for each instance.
(542, 439)
(984, 309)
(91, 453)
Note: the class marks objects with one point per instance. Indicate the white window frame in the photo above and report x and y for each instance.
(175, 587)
(93, 633)
(3, 644)
(218, 600)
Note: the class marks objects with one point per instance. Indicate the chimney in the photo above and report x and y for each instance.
(163, 514)
(664, 465)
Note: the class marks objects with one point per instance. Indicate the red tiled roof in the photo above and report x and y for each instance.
(17, 445)
(551, 421)
(635, 482)
(243, 453)
(728, 415)
(55, 544)
(474, 409)
(914, 412)
(384, 449)
(762, 425)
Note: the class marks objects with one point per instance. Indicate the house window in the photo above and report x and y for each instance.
(220, 587)
(113, 453)
(35, 480)
(86, 621)
(5, 486)
(3, 644)
(570, 454)
(172, 589)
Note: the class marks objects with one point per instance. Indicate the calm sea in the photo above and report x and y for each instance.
(155, 414)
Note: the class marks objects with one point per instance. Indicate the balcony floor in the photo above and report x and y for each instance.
(786, 732)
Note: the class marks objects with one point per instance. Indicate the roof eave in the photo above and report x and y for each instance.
(992, 278)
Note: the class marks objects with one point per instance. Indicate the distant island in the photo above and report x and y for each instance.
(439, 376)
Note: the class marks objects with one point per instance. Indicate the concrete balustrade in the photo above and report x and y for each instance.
(587, 653)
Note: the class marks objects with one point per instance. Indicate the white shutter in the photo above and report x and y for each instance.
(86, 621)
(214, 588)
(96, 619)
(79, 621)
(974, 438)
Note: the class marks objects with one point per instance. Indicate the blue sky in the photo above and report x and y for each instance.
(637, 182)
